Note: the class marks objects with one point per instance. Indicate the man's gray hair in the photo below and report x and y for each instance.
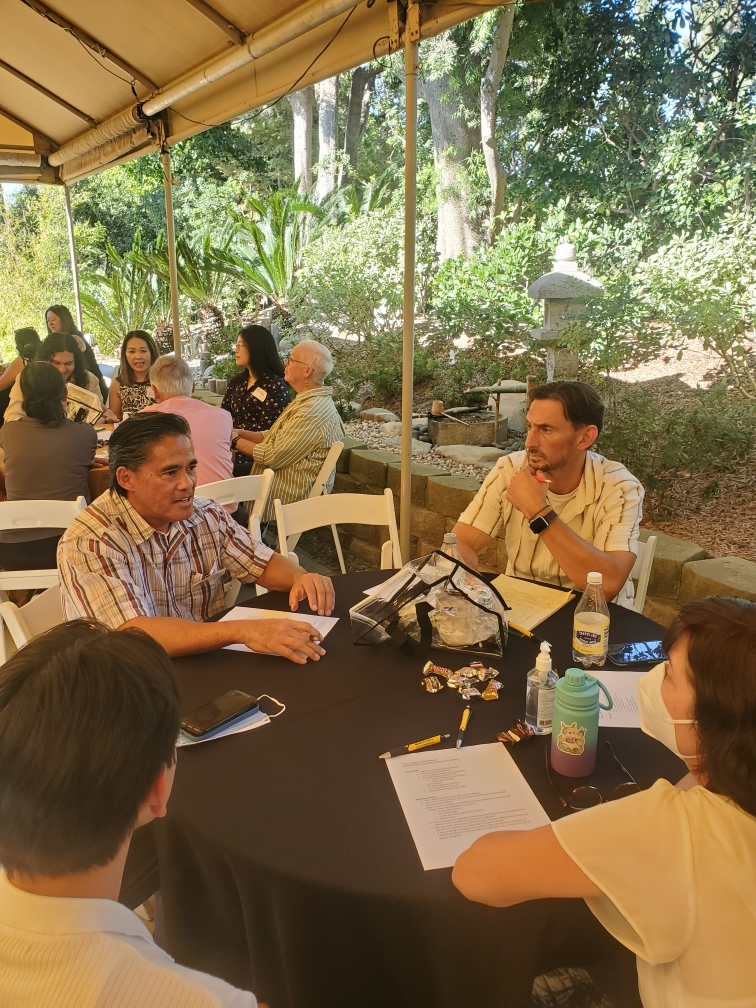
(318, 357)
(171, 376)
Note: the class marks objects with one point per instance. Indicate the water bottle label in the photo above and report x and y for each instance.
(590, 636)
(571, 739)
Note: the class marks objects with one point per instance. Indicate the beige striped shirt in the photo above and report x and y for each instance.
(114, 566)
(605, 510)
(296, 445)
(91, 953)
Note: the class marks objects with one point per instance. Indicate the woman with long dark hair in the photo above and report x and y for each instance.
(257, 394)
(58, 319)
(131, 390)
(47, 457)
(668, 871)
(62, 351)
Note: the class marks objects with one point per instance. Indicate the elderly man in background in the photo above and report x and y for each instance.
(297, 443)
(562, 509)
(210, 426)
(146, 554)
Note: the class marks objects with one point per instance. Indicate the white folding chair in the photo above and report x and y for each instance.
(338, 509)
(641, 571)
(35, 514)
(318, 488)
(241, 490)
(41, 613)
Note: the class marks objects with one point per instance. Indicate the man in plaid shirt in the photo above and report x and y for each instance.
(146, 554)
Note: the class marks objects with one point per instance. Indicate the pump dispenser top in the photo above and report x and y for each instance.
(543, 661)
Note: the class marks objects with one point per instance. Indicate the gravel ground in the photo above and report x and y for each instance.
(370, 433)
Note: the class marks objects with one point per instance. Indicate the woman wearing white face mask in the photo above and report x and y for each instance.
(670, 872)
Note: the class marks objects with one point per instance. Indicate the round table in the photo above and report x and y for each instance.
(286, 864)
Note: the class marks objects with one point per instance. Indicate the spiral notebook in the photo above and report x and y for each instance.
(530, 603)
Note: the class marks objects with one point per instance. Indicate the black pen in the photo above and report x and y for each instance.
(413, 746)
(463, 725)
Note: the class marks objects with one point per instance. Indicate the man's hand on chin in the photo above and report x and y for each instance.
(527, 493)
(318, 591)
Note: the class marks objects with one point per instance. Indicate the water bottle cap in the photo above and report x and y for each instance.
(450, 538)
(574, 677)
(595, 577)
(578, 690)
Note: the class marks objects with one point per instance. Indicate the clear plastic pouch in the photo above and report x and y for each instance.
(435, 601)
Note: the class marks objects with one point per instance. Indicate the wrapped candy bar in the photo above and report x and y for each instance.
(430, 669)
(433, 684)
(516, 733)
(469, 693)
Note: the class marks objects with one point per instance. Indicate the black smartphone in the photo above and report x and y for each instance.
(639, 653)
(218, 712)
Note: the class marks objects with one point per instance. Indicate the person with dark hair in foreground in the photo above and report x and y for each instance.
(88, 727)
(145, 554)
(669, 871)
(47, 457)
(562, 509)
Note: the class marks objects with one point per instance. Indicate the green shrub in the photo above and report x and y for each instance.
(711, 433)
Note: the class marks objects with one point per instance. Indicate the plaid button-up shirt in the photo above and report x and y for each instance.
(114, 566)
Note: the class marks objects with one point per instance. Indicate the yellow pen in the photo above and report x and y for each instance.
(413, 746)
(520, 630)
(463, 725)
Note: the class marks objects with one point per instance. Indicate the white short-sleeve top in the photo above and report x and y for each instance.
(679, 872)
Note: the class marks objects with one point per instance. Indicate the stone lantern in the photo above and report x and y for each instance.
(565, 292)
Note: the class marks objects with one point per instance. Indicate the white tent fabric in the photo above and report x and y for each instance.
(72, 75)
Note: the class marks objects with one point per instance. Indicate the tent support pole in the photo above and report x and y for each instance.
(170, 231)
(411, 44)
(72, 253)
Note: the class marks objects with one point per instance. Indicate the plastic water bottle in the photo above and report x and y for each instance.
(576, 717)
(539, 698)
(590, 635)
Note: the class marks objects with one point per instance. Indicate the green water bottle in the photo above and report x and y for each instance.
(575, 725)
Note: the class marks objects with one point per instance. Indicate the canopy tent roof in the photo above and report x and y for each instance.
(85, 85)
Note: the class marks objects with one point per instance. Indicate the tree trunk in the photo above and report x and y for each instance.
(328, 131)
(301, 108)
(163, 336)
(489, 88)
(454, 140)
(360, 79)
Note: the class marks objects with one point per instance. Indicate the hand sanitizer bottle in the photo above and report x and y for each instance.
(539, 699)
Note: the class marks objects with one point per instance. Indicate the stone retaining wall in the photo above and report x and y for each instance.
(682, 570)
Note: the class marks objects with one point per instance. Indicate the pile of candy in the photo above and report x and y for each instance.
(466, 680)
(516, 733)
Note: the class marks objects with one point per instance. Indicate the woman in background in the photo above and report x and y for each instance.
(58, 319)
(257, 395)
(27, 343)
(62, 351)
(131, 390)
(47, 457)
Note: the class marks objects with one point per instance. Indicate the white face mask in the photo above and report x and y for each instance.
(654, 716)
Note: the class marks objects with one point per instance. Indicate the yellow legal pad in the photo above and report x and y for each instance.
(530, 603)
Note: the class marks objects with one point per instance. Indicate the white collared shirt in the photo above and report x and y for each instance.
(605, 510)
(91, 953)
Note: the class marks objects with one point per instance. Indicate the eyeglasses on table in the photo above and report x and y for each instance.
(589, 796)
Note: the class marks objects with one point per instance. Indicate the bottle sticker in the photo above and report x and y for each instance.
(571, 739)
(589, 638)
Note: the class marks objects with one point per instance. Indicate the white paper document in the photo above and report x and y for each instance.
(453, 796)
(243, 723)
(323, 624)
(621, 684)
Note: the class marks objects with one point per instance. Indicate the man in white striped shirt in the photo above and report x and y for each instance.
(562, 509)
(88, 726)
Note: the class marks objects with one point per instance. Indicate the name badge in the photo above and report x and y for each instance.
(260, 394)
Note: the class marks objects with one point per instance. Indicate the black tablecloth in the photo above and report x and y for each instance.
(287, 866)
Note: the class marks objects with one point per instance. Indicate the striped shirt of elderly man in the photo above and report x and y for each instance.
(297, 443)
(562, 509)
